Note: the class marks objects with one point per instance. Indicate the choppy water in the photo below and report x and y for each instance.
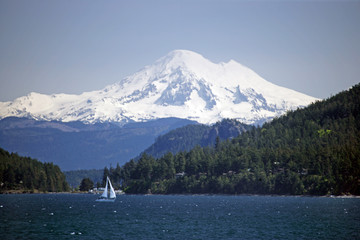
(78, 216)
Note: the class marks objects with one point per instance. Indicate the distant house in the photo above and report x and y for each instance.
(230, 173)
(119, 192)
(178, 175)
(96, 190)
(304, 171)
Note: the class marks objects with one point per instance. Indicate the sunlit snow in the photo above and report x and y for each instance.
(182, 84)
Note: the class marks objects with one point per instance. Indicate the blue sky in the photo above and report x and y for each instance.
(66, 46)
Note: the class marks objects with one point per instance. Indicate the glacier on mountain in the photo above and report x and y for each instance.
(182, 84)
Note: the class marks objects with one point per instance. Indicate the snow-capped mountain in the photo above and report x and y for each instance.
(182, 84)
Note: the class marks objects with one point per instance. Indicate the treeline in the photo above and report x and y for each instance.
(30, 175)
(315, 151)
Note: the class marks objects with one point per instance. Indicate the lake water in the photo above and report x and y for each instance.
(78, 216)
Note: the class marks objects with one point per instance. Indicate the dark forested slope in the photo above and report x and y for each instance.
(315, 150)
(187, 137)
(75, 177)
(26, 174)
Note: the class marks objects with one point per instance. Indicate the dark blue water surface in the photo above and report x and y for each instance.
(78, 216)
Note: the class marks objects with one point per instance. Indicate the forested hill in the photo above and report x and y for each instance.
(29, 175)
(187, 137)
(75, 177)
(315, 150)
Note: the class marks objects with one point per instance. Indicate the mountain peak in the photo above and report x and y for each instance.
(183, 54)
(182, 84)
(182, 59)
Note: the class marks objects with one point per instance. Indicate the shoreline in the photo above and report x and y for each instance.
(38, 192)
(271, 195)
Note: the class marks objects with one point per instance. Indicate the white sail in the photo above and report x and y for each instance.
(105, 193)
(112, 192)
(104, 197)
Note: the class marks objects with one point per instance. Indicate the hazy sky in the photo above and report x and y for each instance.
(72, 46)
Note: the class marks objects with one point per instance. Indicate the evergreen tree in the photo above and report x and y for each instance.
(86, 184)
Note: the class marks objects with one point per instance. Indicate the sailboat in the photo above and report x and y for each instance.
(107, 196)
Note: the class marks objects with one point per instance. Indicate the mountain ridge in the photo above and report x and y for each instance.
(75, 145)
(182, 84)
(187, 137)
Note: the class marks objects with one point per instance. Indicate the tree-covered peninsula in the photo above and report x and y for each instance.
(315, 151)
(23, 174)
